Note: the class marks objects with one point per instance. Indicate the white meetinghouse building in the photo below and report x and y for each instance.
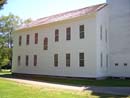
(91, 42)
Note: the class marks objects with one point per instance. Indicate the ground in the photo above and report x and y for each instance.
(14, 89)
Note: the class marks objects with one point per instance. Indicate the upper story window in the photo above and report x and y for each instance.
(56, 60)
(81, 30)
(68, 33)
(20, 40)
(19, 60)
(36, 38)
(45, 43)
(27, 39)
(56, 35)
(101, 32)
(27, 60)
(35, 60)
(81, 59)
(67, 60)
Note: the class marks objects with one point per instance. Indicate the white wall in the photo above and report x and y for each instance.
(119, 37)
(102, 45)
(46, 58)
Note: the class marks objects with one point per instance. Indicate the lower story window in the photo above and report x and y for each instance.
(35, 60)
(56, 60)
(27, 60)
(19, 60)
(81, 59)
(67, 60)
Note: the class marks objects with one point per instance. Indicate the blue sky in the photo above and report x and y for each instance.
(41, 8)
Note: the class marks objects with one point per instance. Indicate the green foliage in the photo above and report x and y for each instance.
(10, 89)
(2, 2)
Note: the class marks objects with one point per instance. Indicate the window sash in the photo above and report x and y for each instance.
(27, 60)
(56, 60)
(67, 60)
(19, 60)
(35, 60)
(81, 30)
(56, 35)
(27, 39)
(20, 40)
(36, 38)
(81, 59)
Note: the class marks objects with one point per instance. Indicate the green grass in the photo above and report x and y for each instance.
(73, 81)
(10, 89)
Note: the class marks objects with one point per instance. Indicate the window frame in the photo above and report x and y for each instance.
(27, 60)
(81, 59)
(82, 31)
(36, 38)
(20, 40)
(68, 33)
(56, 35)
(19, 60)
(27, 39)
(56, 60)
(45, 43)
(35, 60)
(68, 58)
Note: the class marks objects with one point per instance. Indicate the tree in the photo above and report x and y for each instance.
(2, 2)
(5, 52)
(8, 24)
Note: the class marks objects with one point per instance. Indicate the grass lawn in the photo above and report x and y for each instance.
(10, 89)
(72, 81)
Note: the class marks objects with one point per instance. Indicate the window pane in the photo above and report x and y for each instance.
(27, 39)
(101, 58)
(36, 38)
(56, 60)
(56, 35)
(27, 60)
(81, 59)
(20, 40)
(67, 60)
(19, 60)
(68, 33)
(100, 32)
(81, 30)
(35, 60)
(45, 43)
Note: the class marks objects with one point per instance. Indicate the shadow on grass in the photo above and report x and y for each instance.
(94, 85)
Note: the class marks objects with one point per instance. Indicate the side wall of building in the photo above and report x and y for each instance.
(119, 37)
(102, 42)
(45, 63)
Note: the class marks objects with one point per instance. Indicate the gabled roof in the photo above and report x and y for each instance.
(64, 16)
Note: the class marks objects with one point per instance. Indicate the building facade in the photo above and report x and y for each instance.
(73, 44)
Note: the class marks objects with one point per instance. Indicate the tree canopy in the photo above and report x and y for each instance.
(2, 2)
(8, 24)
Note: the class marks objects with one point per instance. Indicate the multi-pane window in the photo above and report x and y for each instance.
(45, 43)
(20, 40)
(101, 59)
(68, 33)
(36, 38)
(56, 60)
(27, 39)
(81, 59)
(35, 60)
(81, 30)
(27, 60)
(68, 60)
(56, 35)
(19, 60)
(101, 32)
